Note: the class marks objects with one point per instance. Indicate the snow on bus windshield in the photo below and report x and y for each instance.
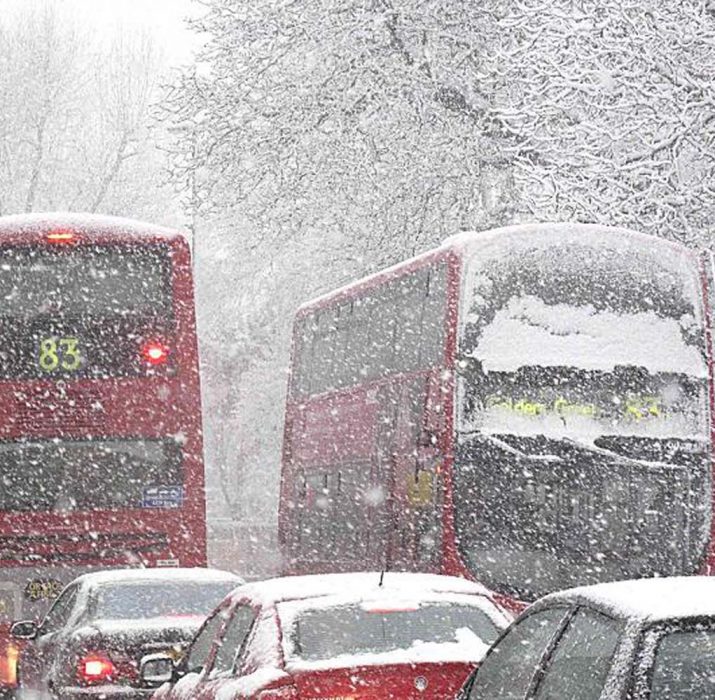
(595, 337)
(595, 307)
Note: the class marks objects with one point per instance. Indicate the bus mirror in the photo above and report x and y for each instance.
(469, 366)
(25, 629)
(156, 669)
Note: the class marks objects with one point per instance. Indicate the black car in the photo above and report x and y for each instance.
(91, 640)
(651, 639)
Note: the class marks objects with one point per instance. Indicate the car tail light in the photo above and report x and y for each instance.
(155, 353)
(8, 666)
(96, 668)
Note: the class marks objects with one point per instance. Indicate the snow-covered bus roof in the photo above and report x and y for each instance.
(649, 600)
(461, 242)
(589, 233)
(84, 223)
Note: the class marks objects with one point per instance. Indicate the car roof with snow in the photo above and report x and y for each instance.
(649, 600)
(158, 575)
(363, 585)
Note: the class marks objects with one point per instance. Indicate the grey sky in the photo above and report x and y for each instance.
(161, 18)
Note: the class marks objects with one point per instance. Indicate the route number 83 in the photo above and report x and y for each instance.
(59, 354)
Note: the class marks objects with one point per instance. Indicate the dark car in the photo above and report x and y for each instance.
(336, 637)
(648, 639)
(92, 638)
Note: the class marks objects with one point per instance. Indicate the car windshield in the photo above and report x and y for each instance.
(359, 629)
(135, 601)
(684, 665)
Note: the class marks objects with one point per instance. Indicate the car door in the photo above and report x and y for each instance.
(229, 645)
(509, 669)
(580, 664)
(40, 657)
(199, 656)
(676, 659)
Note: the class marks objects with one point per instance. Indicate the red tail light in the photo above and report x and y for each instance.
(155, 353)
(96, 668)
(8, 666)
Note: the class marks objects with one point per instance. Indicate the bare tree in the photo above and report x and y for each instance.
(76, 113)
(314, 142)
(615, 97)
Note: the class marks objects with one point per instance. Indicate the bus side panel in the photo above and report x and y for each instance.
(451, 562)
(187, 356)
(708, 282)
(362, 482)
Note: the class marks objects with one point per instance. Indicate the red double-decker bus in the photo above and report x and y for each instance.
(100, 425)
(528, 406)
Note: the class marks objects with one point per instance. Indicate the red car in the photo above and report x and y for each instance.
(336, 637)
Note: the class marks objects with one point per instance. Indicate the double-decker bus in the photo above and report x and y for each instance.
(100, 426)
(528, 406)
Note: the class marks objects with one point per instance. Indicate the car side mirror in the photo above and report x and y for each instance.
(24, 629)
(156, 669)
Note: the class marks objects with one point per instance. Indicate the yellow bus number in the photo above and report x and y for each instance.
(60, 353)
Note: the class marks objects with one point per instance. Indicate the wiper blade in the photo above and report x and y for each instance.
(595, 449)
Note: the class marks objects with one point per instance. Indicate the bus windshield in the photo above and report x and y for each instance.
(84, 281)
(82, 312)
(583, 377)
(586, 340)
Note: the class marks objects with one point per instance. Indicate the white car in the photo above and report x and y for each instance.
(92, 638)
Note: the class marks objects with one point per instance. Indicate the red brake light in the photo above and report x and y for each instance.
(96, 668)
(155, 353)
(60, 236)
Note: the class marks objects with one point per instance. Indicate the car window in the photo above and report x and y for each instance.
(233, 637)
(507, 671)
(60, 612)
(684, 666)
(140, 600)
(201, 646)
(579, 665)
(321, 633)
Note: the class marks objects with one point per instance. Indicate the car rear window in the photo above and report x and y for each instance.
(362, 628)
(135, 601)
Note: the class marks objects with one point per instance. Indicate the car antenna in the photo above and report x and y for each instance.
(382, 576)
